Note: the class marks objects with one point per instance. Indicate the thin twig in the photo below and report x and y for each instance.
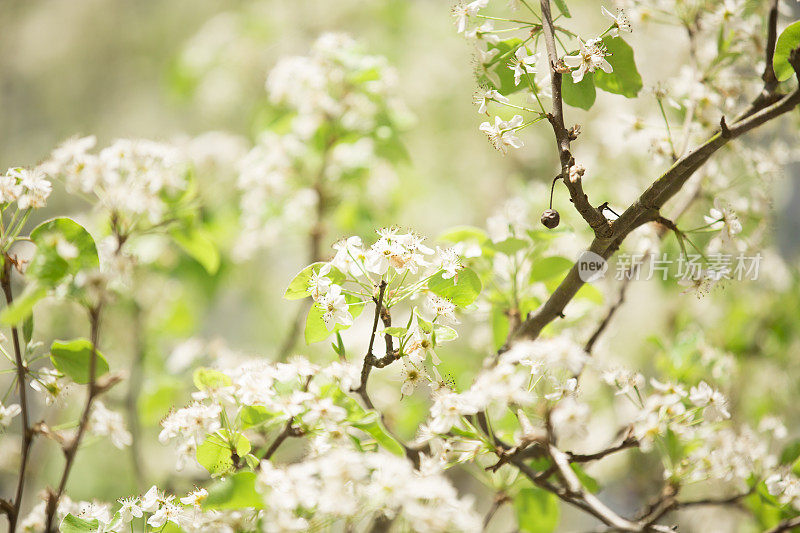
(288, 431)
(370, 360)
(27, 434)
(593, 216)
(71, 450)
(628, 442)
(500, 499)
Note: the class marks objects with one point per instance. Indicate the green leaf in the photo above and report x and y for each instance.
(463, 233)
(537, 510)
(548, 268)
(788, 40)
(366, 421)
(423, 324)
(73, 358)
(22, 307)
(27, 329)
(581, 94)
(197, 243)
(395, 331)
(73, 233)
(767, 514)
(586, 480)
(790, 453)
(52, 239)
(500, 327)
(510, 246)
(625, 79)
(444, 333)
(376, 430)
(237, 491)
(498, 74)
(462, 289)
(546, 235)
(254, 415)
(63, 247)
(591, 293)
(298, 287)
(562, 6)
(209, 379)
(214, 454)
(73, 524)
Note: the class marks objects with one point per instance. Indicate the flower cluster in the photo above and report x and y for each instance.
(514, 64)
(337, 481)
(529, 372)
(8, 412)
(137, 182)
(29, 188)
(231, 404)
(396, 267)
(155, 508)
(344, 483)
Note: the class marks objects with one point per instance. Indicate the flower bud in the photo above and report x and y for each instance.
(550, 218)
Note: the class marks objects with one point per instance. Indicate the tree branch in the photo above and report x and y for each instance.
(370, 360)
(499, 500)
(646, 207)
(27, 435)
(770, 81)
(628, 442)
(593, 216)
(288, 431)
(71, 450)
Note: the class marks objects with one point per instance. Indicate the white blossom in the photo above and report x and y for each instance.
(522, 64)
(502, 133)
(591, 56)
(334, 307)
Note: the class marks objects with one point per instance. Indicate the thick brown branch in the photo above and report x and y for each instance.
(646, 207)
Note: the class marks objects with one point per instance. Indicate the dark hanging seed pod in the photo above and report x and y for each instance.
(550, 218)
